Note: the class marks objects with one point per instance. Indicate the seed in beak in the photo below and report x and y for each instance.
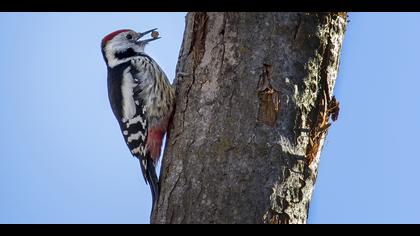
(154, 34)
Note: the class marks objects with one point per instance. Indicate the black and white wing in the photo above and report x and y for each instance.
(130, 111)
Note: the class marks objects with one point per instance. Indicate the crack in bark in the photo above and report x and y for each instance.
(170, 195)
(223, 44)
(186, 202)
(298, 26)
(173, 187)
(198, 45)
(187, 99)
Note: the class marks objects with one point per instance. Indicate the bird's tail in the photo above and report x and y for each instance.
(149, 173)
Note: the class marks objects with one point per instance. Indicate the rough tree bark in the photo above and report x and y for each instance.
(254, 98)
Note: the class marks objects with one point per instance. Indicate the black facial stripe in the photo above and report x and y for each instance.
(131, 53)
(126, 54)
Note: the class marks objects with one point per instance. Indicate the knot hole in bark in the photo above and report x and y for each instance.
(198, 42)
(268, 98)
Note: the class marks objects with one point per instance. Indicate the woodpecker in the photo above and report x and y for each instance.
(141, 98)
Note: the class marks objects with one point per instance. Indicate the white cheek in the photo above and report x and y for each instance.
(139, 48)
(115, 46)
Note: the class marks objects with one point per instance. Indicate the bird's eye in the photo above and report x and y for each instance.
(129, 36)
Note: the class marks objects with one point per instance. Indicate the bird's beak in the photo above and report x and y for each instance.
(140, 35)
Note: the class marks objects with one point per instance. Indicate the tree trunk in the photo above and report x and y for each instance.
(253, 101)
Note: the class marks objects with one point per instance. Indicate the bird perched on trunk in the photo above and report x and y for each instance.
(141, 98)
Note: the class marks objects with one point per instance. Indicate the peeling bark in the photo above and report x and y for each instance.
(254, 97)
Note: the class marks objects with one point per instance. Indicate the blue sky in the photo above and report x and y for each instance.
(63, 160)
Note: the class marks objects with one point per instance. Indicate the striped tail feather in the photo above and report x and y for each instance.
(149, 173)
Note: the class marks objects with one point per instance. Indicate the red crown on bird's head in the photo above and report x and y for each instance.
(110, 36)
